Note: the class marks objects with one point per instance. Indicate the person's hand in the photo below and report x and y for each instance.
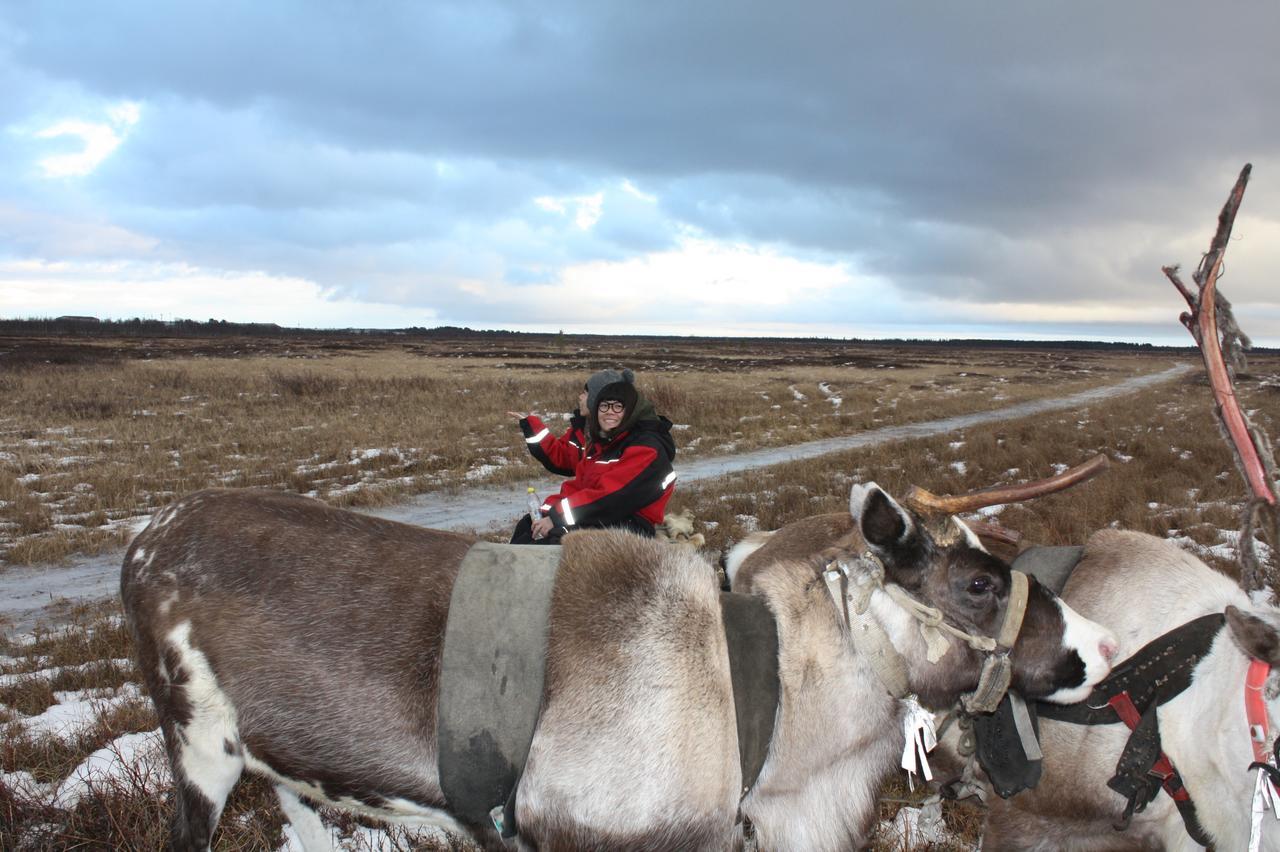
(541, 527)
(519, 415)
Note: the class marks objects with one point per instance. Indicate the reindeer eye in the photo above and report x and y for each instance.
(980, 586)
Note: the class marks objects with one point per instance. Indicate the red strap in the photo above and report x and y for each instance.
(1123, 705)
(1163, 767)
(1255, 709)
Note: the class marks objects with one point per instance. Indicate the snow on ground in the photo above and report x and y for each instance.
(364, 839)
(132, 761)
(832, 397)
(1227, 548)
(482, 470)
(915, 828)
(77, 711)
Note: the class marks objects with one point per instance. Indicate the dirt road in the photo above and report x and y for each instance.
(27, 593)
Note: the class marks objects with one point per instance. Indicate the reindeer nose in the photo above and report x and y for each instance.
(1108, 647)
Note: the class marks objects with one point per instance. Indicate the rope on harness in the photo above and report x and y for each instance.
(851, 588)
(852, 593)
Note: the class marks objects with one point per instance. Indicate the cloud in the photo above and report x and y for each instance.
(45, 235)
(172, 291)
(469, 159)
(98, 140)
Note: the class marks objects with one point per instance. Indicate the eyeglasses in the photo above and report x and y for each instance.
(612, 406)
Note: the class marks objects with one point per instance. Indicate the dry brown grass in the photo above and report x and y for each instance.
(1171, 472)
(89, 445)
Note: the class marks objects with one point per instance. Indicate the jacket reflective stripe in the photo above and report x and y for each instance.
(537, 439)
(567, 512)
(671, 477)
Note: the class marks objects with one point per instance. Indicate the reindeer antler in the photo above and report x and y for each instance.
(930, 504)
(1209, 317)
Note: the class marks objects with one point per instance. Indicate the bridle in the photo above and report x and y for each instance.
(851, 586)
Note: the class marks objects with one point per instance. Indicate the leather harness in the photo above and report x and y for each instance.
(1153, 675)
(1156, 673)
(491, 677)
(752, 635)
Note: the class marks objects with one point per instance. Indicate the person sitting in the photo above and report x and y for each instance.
(617, 453)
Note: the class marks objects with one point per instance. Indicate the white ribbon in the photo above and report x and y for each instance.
(921, 736)
(1264, 797)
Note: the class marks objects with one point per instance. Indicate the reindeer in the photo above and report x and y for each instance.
(303, 643)
(1224, 720)
(1204, 731)
(1142, 587)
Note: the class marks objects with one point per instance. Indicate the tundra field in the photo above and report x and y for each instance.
(95, 435)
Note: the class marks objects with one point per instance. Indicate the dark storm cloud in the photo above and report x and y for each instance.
(1032, 152)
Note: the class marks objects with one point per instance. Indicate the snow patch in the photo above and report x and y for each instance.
(133, 761)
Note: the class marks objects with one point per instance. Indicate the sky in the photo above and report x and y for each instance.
(847, 169)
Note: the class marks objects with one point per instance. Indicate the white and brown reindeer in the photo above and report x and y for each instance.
(1144, 587)
(1139, 586)
(304, 643)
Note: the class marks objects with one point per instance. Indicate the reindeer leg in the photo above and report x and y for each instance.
(194, 819)
(305, 821)
(202, 740)
(198, 801)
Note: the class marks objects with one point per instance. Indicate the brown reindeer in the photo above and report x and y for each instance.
(304, 643)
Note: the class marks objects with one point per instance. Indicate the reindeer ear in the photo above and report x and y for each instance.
(882, 521)
(1257, 638)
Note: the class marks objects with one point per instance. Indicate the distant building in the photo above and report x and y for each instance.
(77, 319)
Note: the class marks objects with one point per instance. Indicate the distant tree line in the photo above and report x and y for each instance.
(80, 326)
(83, 326)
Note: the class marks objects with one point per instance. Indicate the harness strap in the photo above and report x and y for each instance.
(751, 634)
(1143, 749)
(1255, 708)
(852, 597)
(1268, 781)
(1157, 672)
(1019, 593)
(1162, 768)
(492, 671)
(932, 617)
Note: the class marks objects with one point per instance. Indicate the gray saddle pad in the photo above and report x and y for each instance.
(1050, 565)
(491, 673)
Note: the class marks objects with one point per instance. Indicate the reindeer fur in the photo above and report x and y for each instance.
(301, 642)
(1141, 587)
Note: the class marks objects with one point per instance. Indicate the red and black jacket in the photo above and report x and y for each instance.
(629, 475)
